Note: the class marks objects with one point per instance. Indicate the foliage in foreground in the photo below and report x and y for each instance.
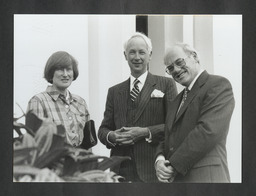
(41, 155)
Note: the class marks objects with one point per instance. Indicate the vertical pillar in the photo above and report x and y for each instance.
(188, 31)
(164, 31)
(156, 34)
(227, 37)
(203, 40)
(173, 31)
(107, 64)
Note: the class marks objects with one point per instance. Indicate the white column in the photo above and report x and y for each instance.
(203, 40)
(188, 29)
(227, 37)
(164, 31)
(107, 64)
(157, 36)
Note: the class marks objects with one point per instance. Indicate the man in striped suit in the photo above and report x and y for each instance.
(135, 113)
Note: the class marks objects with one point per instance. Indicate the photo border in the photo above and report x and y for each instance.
(246, 8)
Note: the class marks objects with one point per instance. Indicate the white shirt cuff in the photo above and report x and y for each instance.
(149, 139)
(160, 157)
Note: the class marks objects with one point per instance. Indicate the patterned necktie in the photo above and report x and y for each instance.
(135, 90)
(184, 97)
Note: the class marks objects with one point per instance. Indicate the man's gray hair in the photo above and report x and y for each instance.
(144, 37)
(189, 50)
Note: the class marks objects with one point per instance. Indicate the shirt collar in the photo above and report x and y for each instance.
(193, 82)
(142, 79)
(55, 94)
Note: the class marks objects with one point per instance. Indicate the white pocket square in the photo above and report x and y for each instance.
(157, 93)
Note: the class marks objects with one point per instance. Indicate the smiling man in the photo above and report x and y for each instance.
(135, 113)
(194, 148)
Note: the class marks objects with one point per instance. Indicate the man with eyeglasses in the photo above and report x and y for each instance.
(194, 148)
(135, 113)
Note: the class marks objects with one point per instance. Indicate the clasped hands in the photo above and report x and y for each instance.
(128, 135)
(164, 171)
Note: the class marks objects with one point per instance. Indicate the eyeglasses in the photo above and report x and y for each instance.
(180, 63)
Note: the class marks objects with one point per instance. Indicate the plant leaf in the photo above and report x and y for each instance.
(111, 162)
(72, 165)
(17, 126)
(23, 155)
(24, 170)
(49, 157)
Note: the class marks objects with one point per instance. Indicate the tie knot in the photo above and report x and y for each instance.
(184, 97)
(186, 91)
(136, 82)
(135, 90)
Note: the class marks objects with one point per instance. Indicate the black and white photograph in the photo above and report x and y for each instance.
(127, 98)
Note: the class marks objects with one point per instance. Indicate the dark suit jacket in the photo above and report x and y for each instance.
(151, 113)
(195, 140)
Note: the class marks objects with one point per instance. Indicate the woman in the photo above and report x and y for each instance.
(57, 103)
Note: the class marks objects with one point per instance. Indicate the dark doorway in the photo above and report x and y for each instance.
(142, 24)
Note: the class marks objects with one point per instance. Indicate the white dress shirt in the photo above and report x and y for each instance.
(142, 80)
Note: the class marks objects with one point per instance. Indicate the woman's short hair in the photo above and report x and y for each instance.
(57, 60)
(144, 37)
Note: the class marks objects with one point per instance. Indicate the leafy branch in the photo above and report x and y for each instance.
(41, 155)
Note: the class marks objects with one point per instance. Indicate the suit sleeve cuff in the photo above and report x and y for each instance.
(112, 144)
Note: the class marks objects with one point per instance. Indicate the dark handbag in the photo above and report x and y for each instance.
(90, 138)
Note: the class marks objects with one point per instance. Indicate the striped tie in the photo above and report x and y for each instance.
(135, 90)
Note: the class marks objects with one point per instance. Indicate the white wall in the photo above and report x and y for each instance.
(36, 37)
(227, 40)
(96, 41)
(107, 64)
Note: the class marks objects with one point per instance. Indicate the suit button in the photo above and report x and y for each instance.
(171, 149)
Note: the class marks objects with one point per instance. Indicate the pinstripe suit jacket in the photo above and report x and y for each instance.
(195, 140)
(151, 113)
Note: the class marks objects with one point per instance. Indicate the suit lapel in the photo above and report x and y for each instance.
(198, 84)
(122, 100)
(172, 111)
(145, 95)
